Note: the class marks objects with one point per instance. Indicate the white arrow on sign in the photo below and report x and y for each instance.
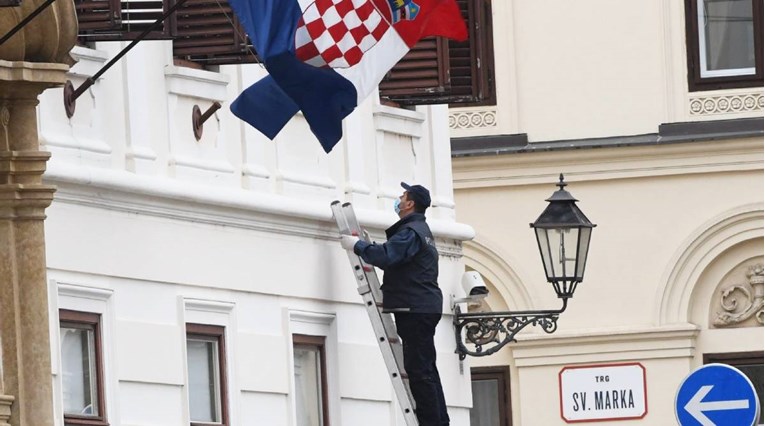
(696, 408)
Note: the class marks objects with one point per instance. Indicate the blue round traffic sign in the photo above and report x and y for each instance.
(717, 395)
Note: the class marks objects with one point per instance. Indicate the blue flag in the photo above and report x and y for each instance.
(324, 57)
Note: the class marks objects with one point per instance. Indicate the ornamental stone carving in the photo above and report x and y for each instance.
(472, 119)
(742, 304)
(728, 104)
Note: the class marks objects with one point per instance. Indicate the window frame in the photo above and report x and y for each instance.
(406, 85)
(317, 342)
(206, 331)
(502, 375)
(87, 320)
(693, 48)
(734, 359)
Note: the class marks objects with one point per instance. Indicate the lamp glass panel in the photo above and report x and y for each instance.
(584, 244)
(568, 241)
(545, 250)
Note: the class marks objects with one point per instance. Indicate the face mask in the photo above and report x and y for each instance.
(397, 205)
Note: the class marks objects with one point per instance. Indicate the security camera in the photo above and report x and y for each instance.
(474, 287)
(473, 284)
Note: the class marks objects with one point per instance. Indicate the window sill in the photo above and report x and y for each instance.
(84, 421)
(197, 83)
(89, 61)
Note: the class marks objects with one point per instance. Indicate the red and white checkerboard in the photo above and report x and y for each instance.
(336, 33)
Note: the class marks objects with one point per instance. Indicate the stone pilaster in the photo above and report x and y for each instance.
(24, 324)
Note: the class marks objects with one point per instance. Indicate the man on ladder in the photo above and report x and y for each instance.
(410, 291)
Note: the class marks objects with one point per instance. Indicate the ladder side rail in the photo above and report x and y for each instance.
(393, 358)
(382, 323)
(369, 270)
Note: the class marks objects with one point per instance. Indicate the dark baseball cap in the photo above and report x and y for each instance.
(418, 193)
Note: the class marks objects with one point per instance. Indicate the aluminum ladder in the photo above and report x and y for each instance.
(382, 322)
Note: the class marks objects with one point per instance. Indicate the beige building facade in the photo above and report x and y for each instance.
(660, 138)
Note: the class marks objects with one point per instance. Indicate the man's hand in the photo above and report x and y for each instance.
(348, 241)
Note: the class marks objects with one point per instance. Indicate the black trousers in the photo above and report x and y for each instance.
(416, 332)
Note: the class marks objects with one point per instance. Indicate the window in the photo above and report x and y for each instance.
(204, 32)
(491, 397)
(724, 40)
(81, 368)
(206, 361)
(438, 71)
(310, 380)
(749, 363)
(116, 20)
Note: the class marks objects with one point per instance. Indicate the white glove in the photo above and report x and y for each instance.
(348, 241)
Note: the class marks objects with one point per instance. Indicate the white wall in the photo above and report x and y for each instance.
(153, 229)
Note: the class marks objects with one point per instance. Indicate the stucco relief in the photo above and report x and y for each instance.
(740, 302)
(727, 104)
(472, 119)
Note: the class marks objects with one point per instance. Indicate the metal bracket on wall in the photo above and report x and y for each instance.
(71, 94)
(496, 329)
(198, 118)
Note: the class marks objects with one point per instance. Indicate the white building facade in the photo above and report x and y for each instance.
(653, 112)
(202, 281)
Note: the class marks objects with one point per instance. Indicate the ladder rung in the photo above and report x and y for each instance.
(403, 376)
(390, 339)
(364, 290)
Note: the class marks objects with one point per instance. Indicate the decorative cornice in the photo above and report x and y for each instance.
(668, 133)
(605, 345)
(271, 213)
(605, 164)
(82, 292)
(205, 305)
(196, 83)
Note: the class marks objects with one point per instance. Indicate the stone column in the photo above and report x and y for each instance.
(24, 325)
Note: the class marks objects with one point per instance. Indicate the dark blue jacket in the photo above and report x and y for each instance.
(410, 261)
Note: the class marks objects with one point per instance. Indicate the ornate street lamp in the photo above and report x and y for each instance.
(563, 236)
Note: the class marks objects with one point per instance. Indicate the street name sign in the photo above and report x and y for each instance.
(717, 395)
(602, 392)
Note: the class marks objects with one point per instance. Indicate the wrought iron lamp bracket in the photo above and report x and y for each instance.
(490, 331)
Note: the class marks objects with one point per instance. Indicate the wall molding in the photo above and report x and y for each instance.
(129, 193)
(721, 104)
(710, 240)
(606, 345)
(532, 168)
(478, 119)
(81, 291)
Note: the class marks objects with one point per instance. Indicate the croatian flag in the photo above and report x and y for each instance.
(324, 57)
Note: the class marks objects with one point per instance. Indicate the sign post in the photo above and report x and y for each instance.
(717, 395)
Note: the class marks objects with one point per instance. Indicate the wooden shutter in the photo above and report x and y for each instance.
(465, 69)
(422, 73)
(115, 20)
(97, 15)
(208, 33)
